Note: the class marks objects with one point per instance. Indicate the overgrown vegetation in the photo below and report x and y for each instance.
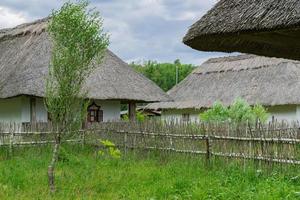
(81, 174)
(109, 149)
(164, 74)
(79, 44)
(239, 112)
(140, 117)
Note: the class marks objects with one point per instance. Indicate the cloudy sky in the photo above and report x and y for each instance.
(139, 29)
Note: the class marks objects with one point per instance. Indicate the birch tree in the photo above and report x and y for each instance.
(78, 46)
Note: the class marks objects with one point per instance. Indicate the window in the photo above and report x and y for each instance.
(95, 114)
(185, 117)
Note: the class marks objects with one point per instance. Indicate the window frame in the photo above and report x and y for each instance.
(95, 114)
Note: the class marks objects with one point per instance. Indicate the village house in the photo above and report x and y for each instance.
(272, 82)
(24, 60)
(263, 27)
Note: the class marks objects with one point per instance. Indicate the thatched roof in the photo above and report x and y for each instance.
(262, 27)
(268, 81)
(24, 59)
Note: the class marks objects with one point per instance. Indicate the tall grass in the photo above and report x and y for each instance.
(82, 174)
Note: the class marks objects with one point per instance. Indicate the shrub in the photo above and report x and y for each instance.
(240, 111)
(260, 112)
(140, 117)
(218, 113)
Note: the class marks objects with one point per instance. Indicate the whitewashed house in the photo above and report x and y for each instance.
(268, 28)
(272, 82)
(24, 59)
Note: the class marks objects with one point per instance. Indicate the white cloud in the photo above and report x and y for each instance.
(139, 29)
(121, 36)
(187, 16)
(10, 18)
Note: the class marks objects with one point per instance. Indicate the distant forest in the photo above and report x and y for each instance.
(163, 74)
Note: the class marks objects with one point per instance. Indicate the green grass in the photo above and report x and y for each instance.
(82, 175)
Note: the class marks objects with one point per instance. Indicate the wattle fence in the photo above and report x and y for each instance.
(272, 143)
(277, 142)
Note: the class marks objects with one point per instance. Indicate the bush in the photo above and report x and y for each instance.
(260, 112)
(218, 113)
(240, 111)
(140, 117)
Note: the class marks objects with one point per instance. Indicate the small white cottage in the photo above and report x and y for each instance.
(24, 59)
(272, 82)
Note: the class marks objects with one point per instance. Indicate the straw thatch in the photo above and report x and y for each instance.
(262, 27)
(24, 59)
(268, 81)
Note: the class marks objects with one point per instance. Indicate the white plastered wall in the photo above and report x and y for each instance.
(177, 115)
(288, 113)
(111, 110)
(17, 109)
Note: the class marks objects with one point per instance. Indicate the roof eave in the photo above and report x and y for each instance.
(282, 43)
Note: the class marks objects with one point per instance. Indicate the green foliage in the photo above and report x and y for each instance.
(218, 113)
(164, 74)
(125, 118)
(260, 112)
(107, 143)
(78, 40)
(66, 156)
(141, 176)
(140, 117)
(110, 149)
(239, 112)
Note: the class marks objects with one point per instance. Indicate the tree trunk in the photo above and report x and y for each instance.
(51, 167)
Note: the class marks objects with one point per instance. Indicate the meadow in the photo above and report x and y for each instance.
(82, 174)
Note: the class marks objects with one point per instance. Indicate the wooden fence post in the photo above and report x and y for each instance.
(83, 138)
(125, 143)
(208, 148)
(171, 143)
(11, 142)
(134, 141)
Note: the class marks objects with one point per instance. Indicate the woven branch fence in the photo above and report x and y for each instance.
(273, 142)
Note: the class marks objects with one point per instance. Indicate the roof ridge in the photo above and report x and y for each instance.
(235, 70)
(222, 65)
(244, 57)
(23, 25)
(24, 29)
